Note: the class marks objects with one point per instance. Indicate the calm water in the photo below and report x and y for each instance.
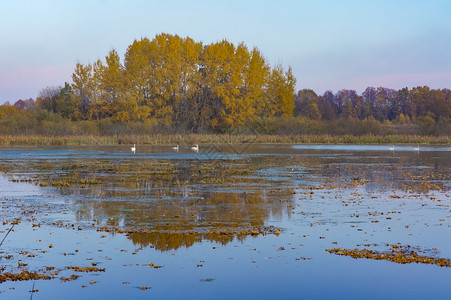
(189, 212)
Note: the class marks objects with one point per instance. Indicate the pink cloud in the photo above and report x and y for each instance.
(332, 81)
(26, 82)
(396, 81)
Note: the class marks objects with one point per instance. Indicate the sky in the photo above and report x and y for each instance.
(329, 44)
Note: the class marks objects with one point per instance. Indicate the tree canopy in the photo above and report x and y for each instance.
(176, 81)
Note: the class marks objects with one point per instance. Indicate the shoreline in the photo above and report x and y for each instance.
(203, 139)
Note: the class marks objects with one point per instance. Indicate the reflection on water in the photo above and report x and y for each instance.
(365, 148)
(177, 193)
(212, 220)
(183, 200)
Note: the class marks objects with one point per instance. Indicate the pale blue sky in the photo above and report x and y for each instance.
(330, 44)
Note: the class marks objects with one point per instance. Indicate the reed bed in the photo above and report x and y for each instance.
(191, 139)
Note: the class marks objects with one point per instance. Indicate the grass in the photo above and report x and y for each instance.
(191, 139)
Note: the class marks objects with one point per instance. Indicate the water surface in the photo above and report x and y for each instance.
(232, 221)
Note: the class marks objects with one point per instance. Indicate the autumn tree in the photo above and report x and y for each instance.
(25, 104)
(326, 106)
(369, 100)
(255, 84)
(47, 98)
(112, 86)
(172, 81)
(186, 106)
(64, 102)
(82, 88)
(280, 95)
(137, 73)
(220, 82)
(303, 100)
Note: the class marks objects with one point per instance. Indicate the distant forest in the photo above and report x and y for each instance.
(173, 84)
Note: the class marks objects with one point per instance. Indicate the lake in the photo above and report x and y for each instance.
(231, 221)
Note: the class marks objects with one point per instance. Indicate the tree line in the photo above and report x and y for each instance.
(401, 106)
(177, 83)
(430, 109)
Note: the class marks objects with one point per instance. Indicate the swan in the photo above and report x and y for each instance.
(392, 148)
(195, 148)
(417, 148)
(176, 148)
(133, 148)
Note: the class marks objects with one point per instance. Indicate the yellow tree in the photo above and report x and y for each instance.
(215, 69)
(165, 80)
(187, 105)
(223, 71)
(256, 84)
(112, 88)
(239, 108)
(98, 108)
(176, 81)
(280, 94)
(161, 76)
(137, 74)
(82, 88)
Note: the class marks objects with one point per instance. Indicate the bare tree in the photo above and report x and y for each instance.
(47, 98)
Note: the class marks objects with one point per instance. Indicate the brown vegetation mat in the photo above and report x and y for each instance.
(397, 254)
(23, 276)
(85, 269)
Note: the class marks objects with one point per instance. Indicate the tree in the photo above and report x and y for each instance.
(216, 65)
(427, 123)
(303, 100)
(436, 103)
(112, 88)
(382, 105)
(369, 99)
(313, 111)
(256, 83)
(82, 88)
(47, 98)
(326, 106)
(25, 104)
(137, 74)
(186, 108)
(418, 97)
(64, 102)
(346, 103)
(280, 97)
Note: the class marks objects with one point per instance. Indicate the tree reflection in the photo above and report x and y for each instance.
(168, 204)
(168, 224)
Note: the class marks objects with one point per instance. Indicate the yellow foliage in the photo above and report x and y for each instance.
(171, 79)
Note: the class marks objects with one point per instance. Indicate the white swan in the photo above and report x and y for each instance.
(392, 148)
(417, 148)
(133, 148)
(195, 148)
(176, 148)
